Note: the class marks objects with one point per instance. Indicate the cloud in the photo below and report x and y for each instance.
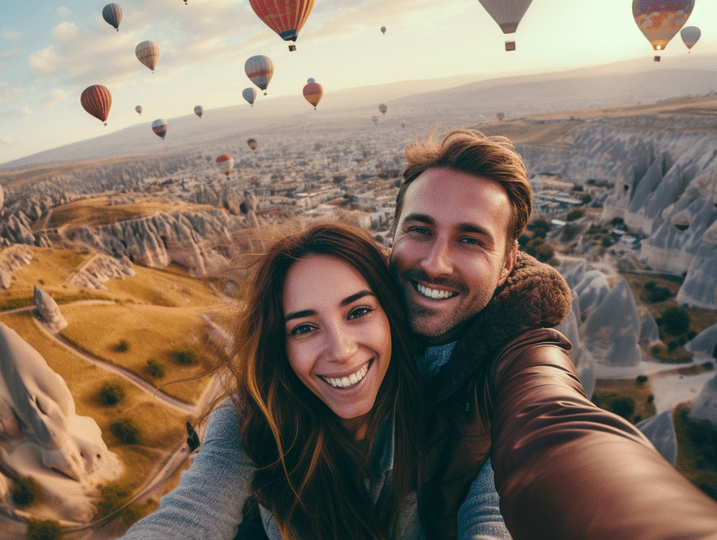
(6, 141)
(62, 11)
(56, 97)
(12, 54)
(65, 31)
(11, 34)
(45, 60)
(26, 111)
(8, 93)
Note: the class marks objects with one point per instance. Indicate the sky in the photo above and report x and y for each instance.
(50, 51)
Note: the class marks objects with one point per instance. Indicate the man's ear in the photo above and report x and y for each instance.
(509, 264)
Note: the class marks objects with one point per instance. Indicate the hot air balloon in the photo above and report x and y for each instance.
(383, 108)
(660, 20)
(138, 108)
(313, 92)
(260, 70)
(690, 35)
(148, 53)
(250, 95)
(500, 116)
(507, 13)
(225, 163)
(375, 119)
(310, 80)
(383, 30)
(403, 124)
(252, 143)
(199, 110)
(97, 100)
(112, 13)
(286, 18)
(159, 126)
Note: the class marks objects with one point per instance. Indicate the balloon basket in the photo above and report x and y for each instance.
(292, 48)
(510, 45)
(657, 58)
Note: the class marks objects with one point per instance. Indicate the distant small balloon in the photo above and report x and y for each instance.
(138, 108)
(403, 124)
(112, 13)
(252, 143)
(148, 53)
(159, 126)
(225, 163)
(375, 119)
(500, 116)
(97, 100)
(250, 95)
(383, 108)
(313, 93)
(310, 80)
(690, 35)
(383, 30)
(199, 110)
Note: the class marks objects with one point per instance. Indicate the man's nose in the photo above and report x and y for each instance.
(438, 259)
(341, 344)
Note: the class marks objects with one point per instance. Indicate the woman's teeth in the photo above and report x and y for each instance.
(345, 382)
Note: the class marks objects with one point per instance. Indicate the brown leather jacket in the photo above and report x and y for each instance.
(564, 469)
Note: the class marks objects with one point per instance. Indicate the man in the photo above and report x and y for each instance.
(501, 383)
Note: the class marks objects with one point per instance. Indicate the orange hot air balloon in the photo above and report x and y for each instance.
(97, 100)
(286, 18)
(313, 92)
(660, 20)
(225, 163)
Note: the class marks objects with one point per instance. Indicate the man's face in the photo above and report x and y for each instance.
(449, 249)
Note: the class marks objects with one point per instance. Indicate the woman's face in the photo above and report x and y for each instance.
(338, 338)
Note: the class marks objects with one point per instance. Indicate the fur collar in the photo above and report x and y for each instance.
(534, 296)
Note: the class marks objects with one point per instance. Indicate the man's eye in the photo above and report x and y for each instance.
(359, 312)
(419, 230)
(470, 240)
(302, 329)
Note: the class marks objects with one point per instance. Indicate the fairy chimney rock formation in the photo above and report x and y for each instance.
(48, 311)
(704, 407)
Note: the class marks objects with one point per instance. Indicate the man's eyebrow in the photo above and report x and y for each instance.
(423, 218)
(310, 312)
(473, 228)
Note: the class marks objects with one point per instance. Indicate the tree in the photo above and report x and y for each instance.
(111, 393)
(43, 529)
(25, 492)
(676, 321)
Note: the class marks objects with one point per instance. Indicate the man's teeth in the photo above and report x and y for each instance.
(434, 293)
(345, 382)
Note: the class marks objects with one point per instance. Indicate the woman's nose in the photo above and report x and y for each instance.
(341, 344)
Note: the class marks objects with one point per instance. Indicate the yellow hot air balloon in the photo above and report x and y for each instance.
(507, 13)
(660, 20)
(313, 92)
(148, 53)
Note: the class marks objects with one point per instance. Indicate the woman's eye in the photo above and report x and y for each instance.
(359, 312)
(301, 329)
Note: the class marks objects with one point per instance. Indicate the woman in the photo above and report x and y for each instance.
(323, 399)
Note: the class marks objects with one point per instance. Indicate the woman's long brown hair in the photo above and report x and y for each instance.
(310, 471)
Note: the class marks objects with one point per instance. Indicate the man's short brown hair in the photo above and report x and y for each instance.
(471, 152)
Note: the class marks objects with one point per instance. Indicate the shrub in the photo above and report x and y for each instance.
(659, 294)
(125, 431)
(544, 253)
(671, 346)
(111, 393)
(122, 346)
(112, 496)
(708, 366)
(641, 379)
(623, 407)
(570, 232)
(637, 419)
(155, 369)
(617, 221)
(650, 398)
(25, 492)
(43, 529)
(523, 240)
(650, 286)
(186, 355)
(676, 321)
(682, 340)
(691, 334)
(574, 214)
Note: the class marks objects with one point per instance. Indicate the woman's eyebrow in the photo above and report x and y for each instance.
(310, 312)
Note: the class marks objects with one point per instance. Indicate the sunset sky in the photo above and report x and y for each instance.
(51, 51)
